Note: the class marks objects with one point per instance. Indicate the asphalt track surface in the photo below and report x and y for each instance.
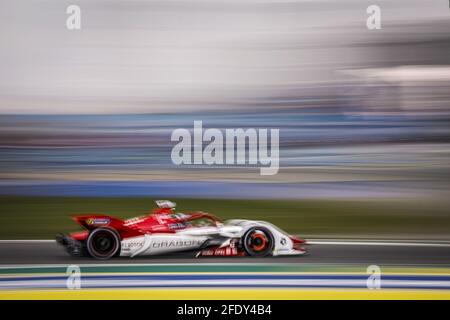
(37, 253)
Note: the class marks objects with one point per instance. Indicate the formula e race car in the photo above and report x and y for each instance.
(164, 231)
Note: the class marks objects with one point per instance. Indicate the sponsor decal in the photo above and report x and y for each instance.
(97, 221)
(132, 221)
(174, 226)
(224, 252)
(283, 241)
(132, 245)
(161, 218)
(177, 243)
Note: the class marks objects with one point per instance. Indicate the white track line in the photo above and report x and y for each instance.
(379, 243)
(26, 241)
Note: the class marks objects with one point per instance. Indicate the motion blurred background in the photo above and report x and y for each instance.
(86, 115)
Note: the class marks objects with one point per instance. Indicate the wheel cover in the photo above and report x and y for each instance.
(258, 242)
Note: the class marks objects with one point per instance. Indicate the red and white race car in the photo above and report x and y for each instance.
(164, 231)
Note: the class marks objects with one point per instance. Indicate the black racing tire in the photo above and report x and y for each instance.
(103, 243)
(258, 242)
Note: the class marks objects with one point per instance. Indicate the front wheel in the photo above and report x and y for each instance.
(103, 243)
(258, 242)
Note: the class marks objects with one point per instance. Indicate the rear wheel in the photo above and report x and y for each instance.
(258, 242)
(103, 243)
